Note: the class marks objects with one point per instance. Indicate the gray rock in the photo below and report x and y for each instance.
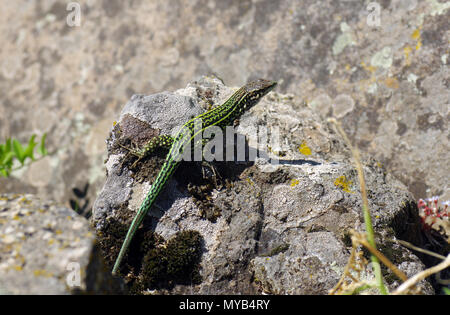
(278, 228)
(388, 80)
(48, 249)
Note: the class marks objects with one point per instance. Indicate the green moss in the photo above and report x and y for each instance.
(184, 253)
(279, 249)
(152, 262)
(110, 239)
(202, 198)
(347, 238)
(154, 268)
(202, 180)
(175, 263)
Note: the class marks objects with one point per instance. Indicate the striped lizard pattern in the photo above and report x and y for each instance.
(220, 116)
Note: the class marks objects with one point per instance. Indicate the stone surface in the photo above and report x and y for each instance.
(46, 248)
(385, 75)
(279, 227)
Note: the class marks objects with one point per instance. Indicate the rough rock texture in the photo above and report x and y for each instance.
(46, 248)
(280, 228)
(388, 81)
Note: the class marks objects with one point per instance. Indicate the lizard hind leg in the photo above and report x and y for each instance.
(163, 141)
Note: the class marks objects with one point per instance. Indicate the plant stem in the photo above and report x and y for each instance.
(365, 207)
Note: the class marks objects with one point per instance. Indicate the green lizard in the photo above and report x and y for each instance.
(221, 116)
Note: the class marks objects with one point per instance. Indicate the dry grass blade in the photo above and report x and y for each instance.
(365, 206)
(402, 289)
(363, 241)
(411, 246)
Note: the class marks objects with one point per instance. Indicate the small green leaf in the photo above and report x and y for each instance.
(28, 152)
(8, 145)
(18, 151)
(7, 158)
(41, 149)
(4, 172)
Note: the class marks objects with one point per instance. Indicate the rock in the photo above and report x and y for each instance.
(356, 59)
(48, 249)
(278, 226)
(387, 79)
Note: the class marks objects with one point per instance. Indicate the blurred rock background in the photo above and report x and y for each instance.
(381, 67)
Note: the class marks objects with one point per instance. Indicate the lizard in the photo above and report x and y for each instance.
(221, 116)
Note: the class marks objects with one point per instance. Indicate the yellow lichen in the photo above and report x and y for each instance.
(294, 182)
(370, 68)
(42, 273)
(343, 183)
(64, 245)
(419, 44)
(391, 83)
(407, 51)
(416, 36)
(304, 149)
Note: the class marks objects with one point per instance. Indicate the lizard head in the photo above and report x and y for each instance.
(258, 88)
(253, 91)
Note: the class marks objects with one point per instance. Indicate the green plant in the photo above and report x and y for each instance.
(365, 208)
(357, 263)
(13, 150)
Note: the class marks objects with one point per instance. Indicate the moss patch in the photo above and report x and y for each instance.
(279, 249)
(202, 180)
(175, 263)
(151, 261)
